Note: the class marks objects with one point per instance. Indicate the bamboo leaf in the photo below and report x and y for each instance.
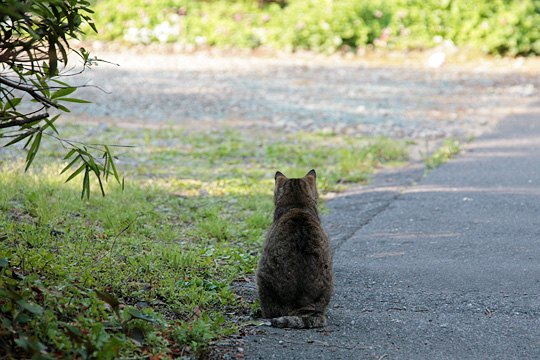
(50, 123)
(63, 108)
(86, 183)
(113, 166)
(70, 165)
(106, 165)
(44, 87)
(28, 141)
(76, 172)
(61, 82)
(69, 154)
(12, 103)
(74, 100)
(88, 10)
(20, 137)
(100, 185)
(93, 26)
(94, 166)
(63, 92)
(63, 52)
(33, 150)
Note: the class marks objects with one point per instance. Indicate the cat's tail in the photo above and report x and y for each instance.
(300, 322)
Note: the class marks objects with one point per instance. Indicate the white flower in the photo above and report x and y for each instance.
(200, 40)
(162, 32)
(132, 35)
(145, 35)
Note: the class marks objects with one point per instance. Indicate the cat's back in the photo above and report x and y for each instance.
(299, 230)
(294, 275)
(296, 256)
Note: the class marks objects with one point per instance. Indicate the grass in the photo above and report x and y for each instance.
(441, 155)
(150, 272)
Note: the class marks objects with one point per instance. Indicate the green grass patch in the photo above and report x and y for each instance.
(445, 152)
(150, 271)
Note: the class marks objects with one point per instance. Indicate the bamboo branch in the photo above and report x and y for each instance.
(21, 122)
(28, 90)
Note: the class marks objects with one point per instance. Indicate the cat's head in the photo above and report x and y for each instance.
(296, 190)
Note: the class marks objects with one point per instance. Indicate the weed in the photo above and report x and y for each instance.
(445, 152)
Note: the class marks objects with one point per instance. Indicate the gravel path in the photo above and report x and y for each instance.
(358, 96)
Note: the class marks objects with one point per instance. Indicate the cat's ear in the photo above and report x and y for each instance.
(311, 178)
(279, 174)
(278, 188)
(280, 179)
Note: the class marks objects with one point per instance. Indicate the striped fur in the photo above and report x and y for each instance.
(299, 322)
(294, 275)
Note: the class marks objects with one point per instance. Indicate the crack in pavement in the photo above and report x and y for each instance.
(353, 209)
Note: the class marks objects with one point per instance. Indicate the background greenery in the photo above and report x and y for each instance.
(507, 27)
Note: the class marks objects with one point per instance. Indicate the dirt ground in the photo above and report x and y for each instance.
(398, 97)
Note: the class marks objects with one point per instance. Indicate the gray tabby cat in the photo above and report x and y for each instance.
(294, 276)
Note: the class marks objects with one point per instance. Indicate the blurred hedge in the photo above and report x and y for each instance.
(507, 27)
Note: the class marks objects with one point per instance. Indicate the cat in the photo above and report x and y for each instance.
(294, 275)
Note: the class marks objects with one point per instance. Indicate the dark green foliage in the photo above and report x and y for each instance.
(34, 51)
(493, 26)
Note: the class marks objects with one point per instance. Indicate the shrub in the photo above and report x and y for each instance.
(34, 51)
(495, 27)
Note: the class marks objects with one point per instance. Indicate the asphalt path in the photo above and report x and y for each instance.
(443, 266)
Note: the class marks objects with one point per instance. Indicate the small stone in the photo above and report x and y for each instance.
(338, 129)
(523, 90)
(360, 109)
(327, 130)
(436, 60)
(307, 123)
